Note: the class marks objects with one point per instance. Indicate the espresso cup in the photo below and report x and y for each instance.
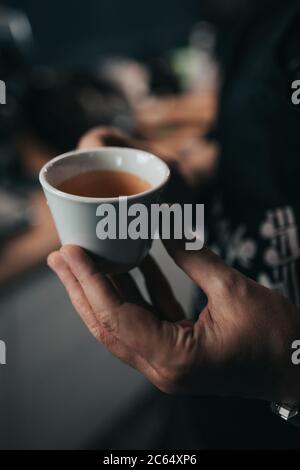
(77, 217)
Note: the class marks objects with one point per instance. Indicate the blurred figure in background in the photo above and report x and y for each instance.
(58, 107)
(55, 109)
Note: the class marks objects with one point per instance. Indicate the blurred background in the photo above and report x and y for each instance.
(149, 69)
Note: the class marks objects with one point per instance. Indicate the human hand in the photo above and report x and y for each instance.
(239, 346)
(189, 155)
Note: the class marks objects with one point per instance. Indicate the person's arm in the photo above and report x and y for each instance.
(241, 344)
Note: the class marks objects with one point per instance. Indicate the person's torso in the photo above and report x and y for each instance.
(254, 220)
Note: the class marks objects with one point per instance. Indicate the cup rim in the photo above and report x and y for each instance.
(74, 197)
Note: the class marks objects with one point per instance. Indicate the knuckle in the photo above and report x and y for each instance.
(95, 331)
(107, 322)
(103, 336)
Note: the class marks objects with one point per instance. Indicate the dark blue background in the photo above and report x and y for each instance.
(77, 31)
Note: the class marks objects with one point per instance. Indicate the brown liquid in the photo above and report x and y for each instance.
(104, 183)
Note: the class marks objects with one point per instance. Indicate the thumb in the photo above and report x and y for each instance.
(203, 266)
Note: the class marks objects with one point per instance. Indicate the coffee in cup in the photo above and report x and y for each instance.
(81, 185)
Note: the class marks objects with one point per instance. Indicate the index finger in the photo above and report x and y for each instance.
(80, 302)
(133, 325)
(99, 291)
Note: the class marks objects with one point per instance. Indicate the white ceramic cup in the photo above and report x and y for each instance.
(75, 216)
